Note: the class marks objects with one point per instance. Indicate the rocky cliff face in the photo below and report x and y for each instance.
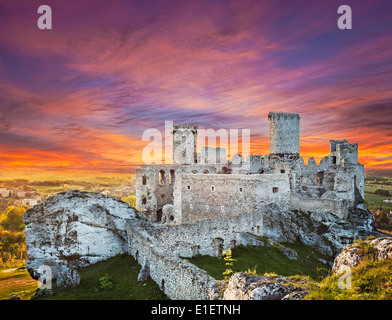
(325, 231)
(72, 230)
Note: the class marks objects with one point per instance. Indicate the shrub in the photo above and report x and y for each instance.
(105, 282)
(12, 240)
(229, 265)
(382, 192)
(131, 200)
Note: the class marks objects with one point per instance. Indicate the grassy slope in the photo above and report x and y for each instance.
(16, 282)
(371, 280)
(267, 259)
(123, 270)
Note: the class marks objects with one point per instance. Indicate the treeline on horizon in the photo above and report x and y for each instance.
(14, 183)
(378, 180)
(52, 183)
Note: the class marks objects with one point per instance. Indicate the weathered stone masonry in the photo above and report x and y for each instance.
(193, 188)
(157, 248)
(178, 278)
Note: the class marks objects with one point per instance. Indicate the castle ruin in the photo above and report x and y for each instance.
(207, 185)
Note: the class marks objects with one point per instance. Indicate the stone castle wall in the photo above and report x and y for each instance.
(157, 248)
(336, 207)
(176, 277)
(205, 196)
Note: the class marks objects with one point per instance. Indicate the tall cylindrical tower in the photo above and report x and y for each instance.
(284, 133)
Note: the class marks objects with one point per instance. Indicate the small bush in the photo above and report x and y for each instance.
(229, 265)
(382, 192)
(367, 284)
(105, 282)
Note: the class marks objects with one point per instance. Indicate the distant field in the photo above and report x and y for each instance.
(375, 201)
(57, 189)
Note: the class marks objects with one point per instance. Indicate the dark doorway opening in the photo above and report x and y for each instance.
(159, 215)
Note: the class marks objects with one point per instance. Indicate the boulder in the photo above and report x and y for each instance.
(245, 286)
(353, 254)
(72, 230)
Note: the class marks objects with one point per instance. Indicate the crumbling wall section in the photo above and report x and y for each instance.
(336, 207)
(154, 189)
(216, 195)
(212, 236)
(176, 277)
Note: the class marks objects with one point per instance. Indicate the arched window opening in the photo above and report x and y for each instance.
(162, 177)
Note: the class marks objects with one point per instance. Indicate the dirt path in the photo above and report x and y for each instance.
(7, 270)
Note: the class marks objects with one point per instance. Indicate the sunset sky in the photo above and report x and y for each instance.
(76, 99)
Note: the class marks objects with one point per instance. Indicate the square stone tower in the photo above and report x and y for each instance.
(184, 144)
(284, 133)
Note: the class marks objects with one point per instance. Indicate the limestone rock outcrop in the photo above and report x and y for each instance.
(72, 230)
(326, 231)
(244, 286)
(352, 255)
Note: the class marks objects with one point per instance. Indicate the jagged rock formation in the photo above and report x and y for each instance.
(72, 230)
(354, 254)
(244, 286)
(323, 230)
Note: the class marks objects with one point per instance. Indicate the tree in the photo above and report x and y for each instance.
(383, 218)
(382, 192)
(12, 218)
(12, 239)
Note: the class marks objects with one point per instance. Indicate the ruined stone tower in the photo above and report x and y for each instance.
(284, 133)
(184, 144)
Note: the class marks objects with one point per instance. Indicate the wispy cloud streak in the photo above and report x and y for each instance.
(78, 97)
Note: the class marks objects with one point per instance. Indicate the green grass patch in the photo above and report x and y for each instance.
(267, 259)
(374, 201)
(113, 279)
